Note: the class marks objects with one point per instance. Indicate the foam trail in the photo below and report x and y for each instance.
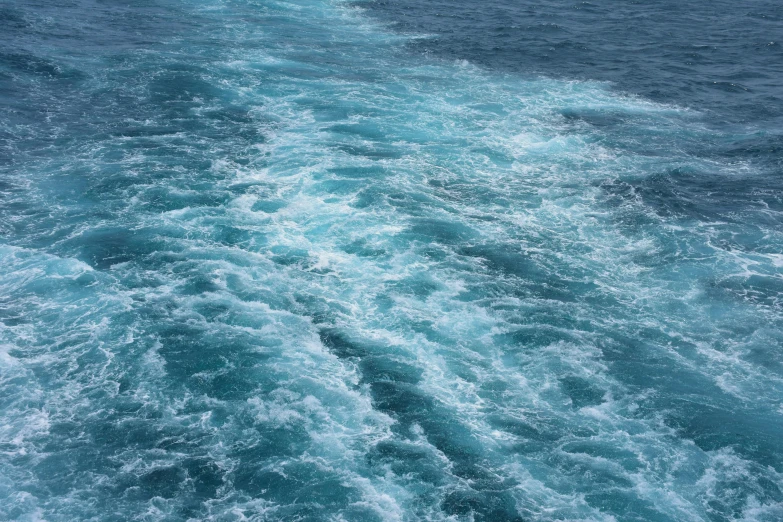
(286, 273)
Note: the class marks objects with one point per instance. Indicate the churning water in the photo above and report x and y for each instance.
(313, 260)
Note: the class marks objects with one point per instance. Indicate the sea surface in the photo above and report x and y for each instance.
(395, 260)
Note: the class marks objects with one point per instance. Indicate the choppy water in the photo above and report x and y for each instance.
(312, 260)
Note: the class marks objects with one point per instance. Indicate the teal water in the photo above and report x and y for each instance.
(260, 261)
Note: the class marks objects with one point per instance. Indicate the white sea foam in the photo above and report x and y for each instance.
(511, 341)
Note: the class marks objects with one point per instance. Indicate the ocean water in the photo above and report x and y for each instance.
(391, 261)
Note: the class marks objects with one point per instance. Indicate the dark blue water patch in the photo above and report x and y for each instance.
(704, 196)
(581, 392)
(408, 459)
(712, 55)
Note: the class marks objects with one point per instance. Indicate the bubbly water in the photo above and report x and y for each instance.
(313, 260)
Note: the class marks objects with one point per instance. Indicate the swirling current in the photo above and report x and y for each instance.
(391, 261)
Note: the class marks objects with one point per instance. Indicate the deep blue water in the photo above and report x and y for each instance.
(393, 260)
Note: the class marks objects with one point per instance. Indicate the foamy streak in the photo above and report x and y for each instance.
(399, 291)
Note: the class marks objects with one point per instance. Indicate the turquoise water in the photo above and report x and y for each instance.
(260, 261)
